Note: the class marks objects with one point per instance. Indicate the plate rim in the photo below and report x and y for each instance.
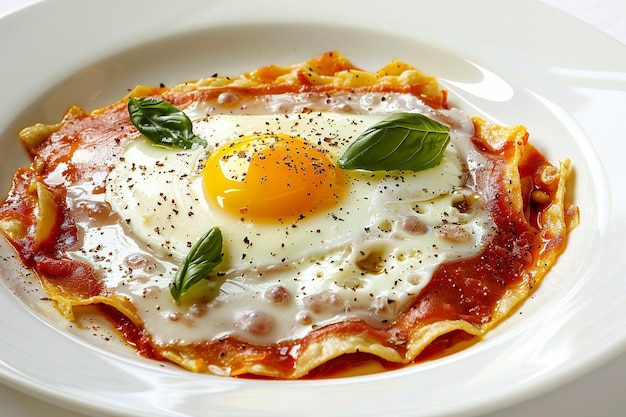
(54, 396)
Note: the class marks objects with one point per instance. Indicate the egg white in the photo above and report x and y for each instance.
(159, 193)
(354, 260)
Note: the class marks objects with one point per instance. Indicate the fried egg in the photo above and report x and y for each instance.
(304, 242)
(276, 196)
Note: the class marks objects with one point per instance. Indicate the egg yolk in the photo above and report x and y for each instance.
(272, 178)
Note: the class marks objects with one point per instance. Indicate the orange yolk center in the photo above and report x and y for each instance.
(272, 178)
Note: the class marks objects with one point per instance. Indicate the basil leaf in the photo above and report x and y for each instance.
(163, 123)
(403, 141)
(203, 257)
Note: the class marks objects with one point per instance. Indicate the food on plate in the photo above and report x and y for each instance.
(290, 221)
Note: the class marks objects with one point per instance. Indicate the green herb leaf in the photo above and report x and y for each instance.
(203, 257)
(163, 123)
(403, 141)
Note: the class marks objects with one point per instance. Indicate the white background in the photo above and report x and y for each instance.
(600, 393)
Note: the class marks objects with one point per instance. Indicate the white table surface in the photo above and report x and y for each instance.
(600, 393)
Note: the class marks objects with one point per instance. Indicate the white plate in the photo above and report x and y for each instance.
(513, 62)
